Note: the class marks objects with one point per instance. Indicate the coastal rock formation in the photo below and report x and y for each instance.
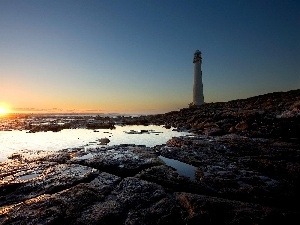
(238, 181)
(274, 115)
(245, 156)
(104, 141)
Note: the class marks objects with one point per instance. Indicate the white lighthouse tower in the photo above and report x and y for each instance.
(198, 98)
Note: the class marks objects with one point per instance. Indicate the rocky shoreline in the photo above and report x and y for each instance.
(246, 155)
(274, 115)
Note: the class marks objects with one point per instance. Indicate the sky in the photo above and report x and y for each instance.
(136, 56)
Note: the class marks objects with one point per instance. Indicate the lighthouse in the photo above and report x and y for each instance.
(198, 98)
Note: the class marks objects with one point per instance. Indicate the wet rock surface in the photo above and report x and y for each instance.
(246, 171)
(239, 180)
(258, 170)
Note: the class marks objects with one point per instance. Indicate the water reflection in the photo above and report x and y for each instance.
(12, 141)
(181, 168)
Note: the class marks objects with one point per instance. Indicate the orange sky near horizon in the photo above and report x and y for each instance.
(136, 57)
(84, 104)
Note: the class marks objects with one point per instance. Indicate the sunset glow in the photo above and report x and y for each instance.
(4, 110)
(136, 57)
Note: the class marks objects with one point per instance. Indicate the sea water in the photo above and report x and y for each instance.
(182, 168)
(15, 140)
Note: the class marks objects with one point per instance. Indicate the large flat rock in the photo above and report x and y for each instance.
(238, 180)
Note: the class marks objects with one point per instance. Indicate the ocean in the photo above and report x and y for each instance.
(14, 140)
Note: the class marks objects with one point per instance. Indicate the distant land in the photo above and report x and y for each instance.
(56, 111)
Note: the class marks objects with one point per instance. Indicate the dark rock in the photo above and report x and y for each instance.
(239, 180)
(131, 196)
(123, 160)
(104, 141)
(245, 169)
(242, 126)
(201, 209)
(274, 115)
(213, 131)
(27, 180)
(63, 207)
(171, 180)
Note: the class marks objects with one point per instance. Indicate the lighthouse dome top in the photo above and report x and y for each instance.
(197, 57)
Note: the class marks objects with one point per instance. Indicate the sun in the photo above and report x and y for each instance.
(4, 110)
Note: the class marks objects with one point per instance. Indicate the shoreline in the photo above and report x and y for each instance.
(246, 159)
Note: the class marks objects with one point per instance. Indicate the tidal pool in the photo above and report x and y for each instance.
(15, 140)
(180, 167)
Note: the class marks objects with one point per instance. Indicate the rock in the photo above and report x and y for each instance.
(104, 141)
(131, 196)
(63, 207)
(123, 160)
(201, 209)
(15, 156)
(170, 179)
(232, 130)
(27, 180)
(275, 115)
(167, 126)
(164, 211)
(215, 131)
(240, 168)
(241, 126)
(239, 180)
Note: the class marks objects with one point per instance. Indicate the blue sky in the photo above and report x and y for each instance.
(136, 56)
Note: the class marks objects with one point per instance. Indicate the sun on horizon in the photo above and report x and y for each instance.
(4, 110)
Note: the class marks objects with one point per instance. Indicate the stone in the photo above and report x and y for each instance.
(200, 209)
(122, 160)
(241, 126)
(104, 141)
